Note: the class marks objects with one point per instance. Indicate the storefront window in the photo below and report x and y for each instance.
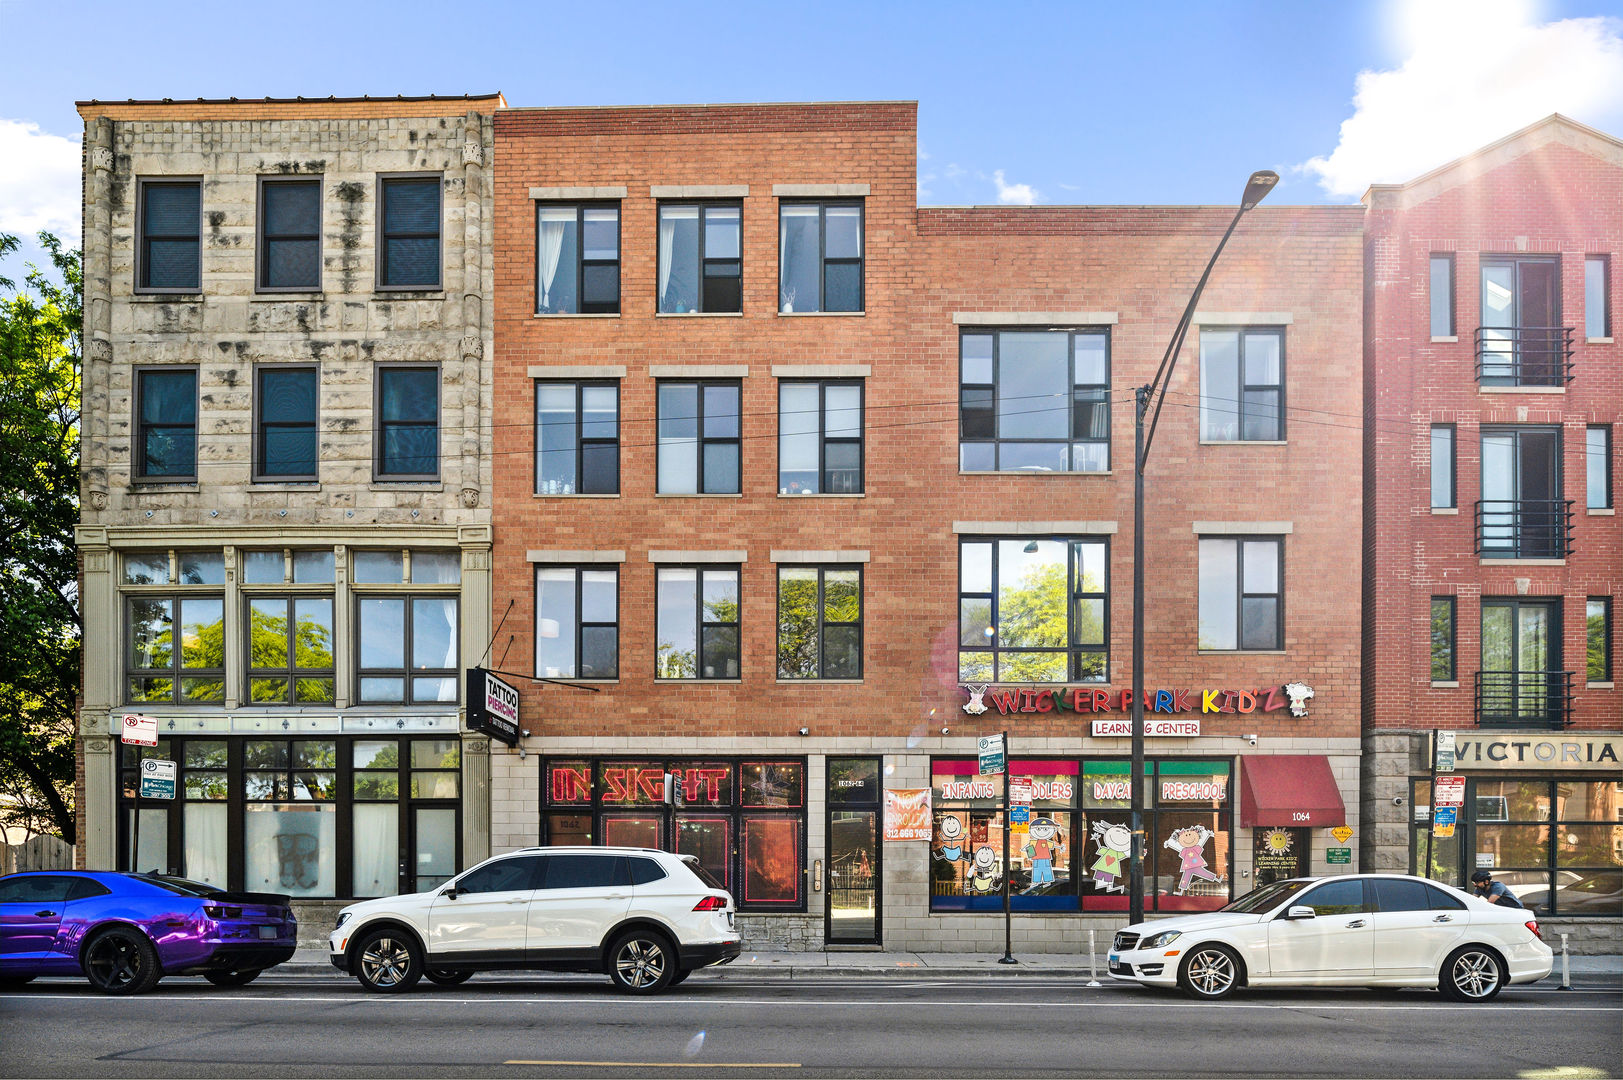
(743, 820)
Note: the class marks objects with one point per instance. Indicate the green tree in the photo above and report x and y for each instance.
(40, 351)
(1032, 614)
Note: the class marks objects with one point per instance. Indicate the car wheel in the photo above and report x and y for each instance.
(232, 978)
(12, 982)
(1210, 972)
(389, 961)
(122, 961)
(681, 975)
(1472, 973)
(447, 976)
(642, 962)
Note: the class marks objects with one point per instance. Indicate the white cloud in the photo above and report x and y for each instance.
(1013, 194)
(39, 181)
(1477, 70)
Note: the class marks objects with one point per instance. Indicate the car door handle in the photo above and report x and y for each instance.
(43, 914)
(1443, 918)
(614, 896)
(519, 900)
(1355, 923)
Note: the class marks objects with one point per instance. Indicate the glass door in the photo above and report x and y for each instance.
(1521, 316)
(1523, 515)
(852, 877)
(1521, 652)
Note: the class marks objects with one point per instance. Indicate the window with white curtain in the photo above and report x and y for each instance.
(577, 259)
(819, 257)
(700, 258)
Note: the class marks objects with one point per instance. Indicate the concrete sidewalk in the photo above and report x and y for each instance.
(933, 965)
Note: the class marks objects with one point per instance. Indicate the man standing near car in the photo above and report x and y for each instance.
(1494, 892)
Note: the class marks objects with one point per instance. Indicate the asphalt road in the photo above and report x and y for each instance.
(567, 1026)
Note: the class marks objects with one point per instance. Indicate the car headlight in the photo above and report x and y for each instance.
(1160, 940)
(343, 917)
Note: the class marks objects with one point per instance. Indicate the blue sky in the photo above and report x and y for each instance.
(1162, 102)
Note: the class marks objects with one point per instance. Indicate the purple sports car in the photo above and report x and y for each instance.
(124, 932)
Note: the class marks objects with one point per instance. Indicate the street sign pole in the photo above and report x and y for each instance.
(1008, 922)
(1431, 806)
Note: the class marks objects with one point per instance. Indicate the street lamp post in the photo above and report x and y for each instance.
(1256, 189)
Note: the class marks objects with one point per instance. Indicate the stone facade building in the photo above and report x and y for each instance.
(801, 487)
(1492, 408)
(285, 532)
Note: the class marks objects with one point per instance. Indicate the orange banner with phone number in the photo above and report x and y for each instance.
(907, 813)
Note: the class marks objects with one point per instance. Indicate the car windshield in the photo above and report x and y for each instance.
(1269, 896)
(179, 885)
(703, 875)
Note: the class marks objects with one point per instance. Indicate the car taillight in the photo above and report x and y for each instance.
(214, 912)
(1532, 925)
(710, 903)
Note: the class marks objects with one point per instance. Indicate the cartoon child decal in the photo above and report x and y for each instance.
(1190, 845)
(1113, 842)
(1044, 843)
(983, 878)
(951, 833)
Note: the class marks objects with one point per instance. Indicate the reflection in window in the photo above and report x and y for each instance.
(697, 623)
(819, 622)
(391, 628)
(1034, 401)
(290, 649)
(1033, 611)
(161, 668)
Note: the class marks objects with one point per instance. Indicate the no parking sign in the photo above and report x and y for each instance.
(139, 730)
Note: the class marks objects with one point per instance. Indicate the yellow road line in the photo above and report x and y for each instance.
(665, 1064)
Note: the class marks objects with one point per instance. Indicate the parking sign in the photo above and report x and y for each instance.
(139, 730)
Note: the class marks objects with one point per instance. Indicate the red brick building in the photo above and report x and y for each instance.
(1493, 398)
(800, 488)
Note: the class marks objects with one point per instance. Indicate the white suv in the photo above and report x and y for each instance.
(648, 918)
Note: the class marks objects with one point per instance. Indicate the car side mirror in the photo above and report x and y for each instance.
(449, 893)
(1300, 911)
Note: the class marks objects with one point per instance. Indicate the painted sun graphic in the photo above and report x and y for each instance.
(1278, 841)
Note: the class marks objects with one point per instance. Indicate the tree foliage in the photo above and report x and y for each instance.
(40, 358)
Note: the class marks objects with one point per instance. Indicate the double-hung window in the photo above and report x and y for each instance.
(577, 438)
(698, 438)
(290, 626)
(409, 232)
(170, 255)
(820, 257)
(577, 631)
(289, 235)
(1033, 610)
(174, 628)
(820, 438)
(406, 615)
(697, 623)
(819, 622)
(1034, 401)
(285, 422)
(700, 258)
(165, 424)
(1242, 385)
(408, 423)
(577, 259)
(1242, 592)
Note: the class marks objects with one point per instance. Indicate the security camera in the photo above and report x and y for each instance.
(1252, 739)
(525, 732)
(945, 730)
(1397, 800)
(805, 731)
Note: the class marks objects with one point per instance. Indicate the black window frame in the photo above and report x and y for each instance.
(822, 621)
(1605, 262)
(700, 439)
(582, 306)
(700, 623)
(705, 261)
(139, 463)
(1241, 595)
(381, 426)
(1074, 652)
(823, 261)
(1448, 647)
(1606, 495)
(581, 625)
(994, 388)
(384, 236)
(176, 672)
(1431, 293)
(143, 255)
(407, 673)
(1242, 332)
(264, 238)
(293, 673)
(261, 426)
(1452, 432)
(824, 440)
(1606, 632)
(581, 441)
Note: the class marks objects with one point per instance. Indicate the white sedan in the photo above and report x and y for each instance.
(1388, 930)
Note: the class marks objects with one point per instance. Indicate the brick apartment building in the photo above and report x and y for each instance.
(285, 514)
(1493, 399)
(800, 488)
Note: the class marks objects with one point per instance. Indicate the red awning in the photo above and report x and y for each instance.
(1289, 789)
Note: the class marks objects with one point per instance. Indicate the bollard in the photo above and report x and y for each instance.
(1093, 960)
(1566, 968)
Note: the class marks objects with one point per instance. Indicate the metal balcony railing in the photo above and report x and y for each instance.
(1524, 355)
(1524, 528)
(1536, 699)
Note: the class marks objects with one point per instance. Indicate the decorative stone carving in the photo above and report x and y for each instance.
(478, 746)
(101, 159)
(473, 153)
(476, 560)
(98, 746)
(101, 349)
(473, 347)
(98, 500)
(470, 497)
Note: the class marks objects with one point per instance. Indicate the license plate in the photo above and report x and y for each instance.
(1115, 958)
(268, 932)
